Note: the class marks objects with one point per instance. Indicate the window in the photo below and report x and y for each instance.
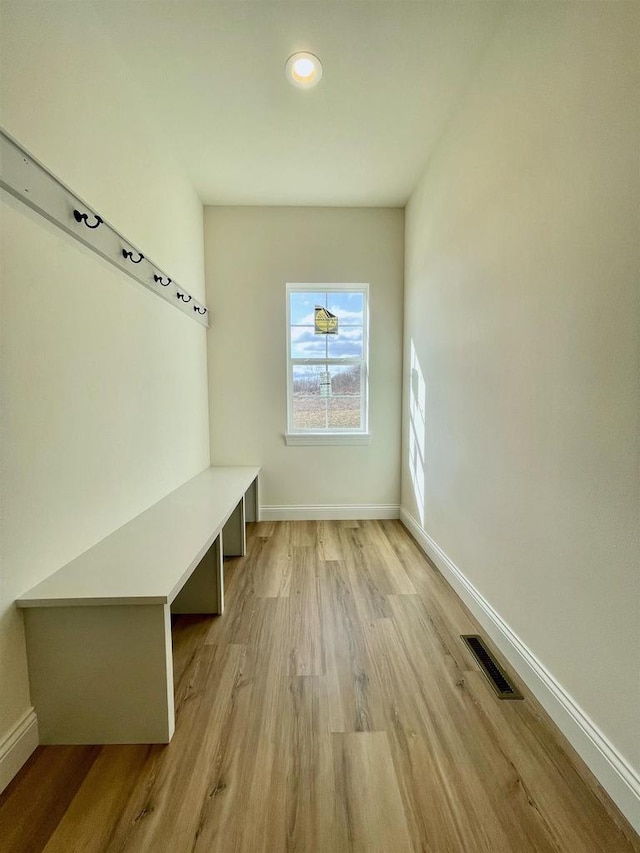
(327, 361)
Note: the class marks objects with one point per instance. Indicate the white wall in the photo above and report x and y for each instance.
(250, 254)
(104, 388)
(522, 306)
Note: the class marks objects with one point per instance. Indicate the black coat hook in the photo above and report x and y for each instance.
(199, 310)
(158, 278)
(126, 254)
(184, 297)
(82, 217)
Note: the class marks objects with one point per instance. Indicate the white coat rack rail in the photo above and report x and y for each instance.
(28, 180)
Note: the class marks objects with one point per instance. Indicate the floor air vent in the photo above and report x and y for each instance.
(491, 668)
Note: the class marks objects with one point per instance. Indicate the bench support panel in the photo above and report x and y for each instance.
(252, 502)
(101, 674)
(204, 591)
(234, 535)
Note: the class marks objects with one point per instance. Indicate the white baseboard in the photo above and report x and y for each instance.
(17, 747)
(619, 779)
(328, 512)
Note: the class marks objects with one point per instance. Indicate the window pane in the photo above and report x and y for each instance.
(302, 305)
(306, 379)
(344, 412)
(348, 307)
(306, 344)
(346, 344)
(309, 412)
(345, 380)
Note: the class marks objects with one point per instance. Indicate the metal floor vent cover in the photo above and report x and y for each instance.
(496, 675)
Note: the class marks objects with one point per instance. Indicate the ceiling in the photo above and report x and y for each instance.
(213, 75)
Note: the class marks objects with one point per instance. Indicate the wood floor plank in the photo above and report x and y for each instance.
(364, 586)
(368, 794)
(278, 766)
(329, 541)
(92, 821)
(332, 708)
(302, 533)
(290, 775)
(56, 772)
(305, 650)
(307, 744)
(264, 529)
(266, 570)
(173, 806)
(445, 608)
(354, 696)
(275, 580)
(231, 804)
(382, 561)
(191, 630)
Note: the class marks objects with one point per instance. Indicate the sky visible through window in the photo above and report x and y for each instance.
(348, 307)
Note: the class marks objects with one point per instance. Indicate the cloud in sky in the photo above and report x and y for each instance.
(346, 305)
(306, 344)
(345, 318)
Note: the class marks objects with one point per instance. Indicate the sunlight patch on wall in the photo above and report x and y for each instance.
(417, 431)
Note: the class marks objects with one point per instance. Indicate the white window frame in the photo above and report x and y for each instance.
(359, 435)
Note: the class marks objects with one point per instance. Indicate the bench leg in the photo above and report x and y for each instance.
(234, 536)
(101, 674)
(252, 502)
(204, 591)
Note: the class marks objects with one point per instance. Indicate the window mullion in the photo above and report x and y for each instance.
(321, 361)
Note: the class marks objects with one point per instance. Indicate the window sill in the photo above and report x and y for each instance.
(316, 438)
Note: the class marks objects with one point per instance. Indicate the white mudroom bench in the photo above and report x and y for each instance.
(99, 629)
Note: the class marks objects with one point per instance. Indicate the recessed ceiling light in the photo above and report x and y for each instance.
(303, 70)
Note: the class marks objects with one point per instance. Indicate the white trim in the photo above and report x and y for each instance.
(316, 438)
(326, 287)
(619, 779)
(328, 512)
(16, 748)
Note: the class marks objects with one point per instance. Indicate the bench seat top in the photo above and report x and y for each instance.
(148, 559)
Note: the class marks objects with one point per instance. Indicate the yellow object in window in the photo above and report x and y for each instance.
(326, 323)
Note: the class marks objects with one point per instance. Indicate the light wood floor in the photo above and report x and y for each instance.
(332, 708)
